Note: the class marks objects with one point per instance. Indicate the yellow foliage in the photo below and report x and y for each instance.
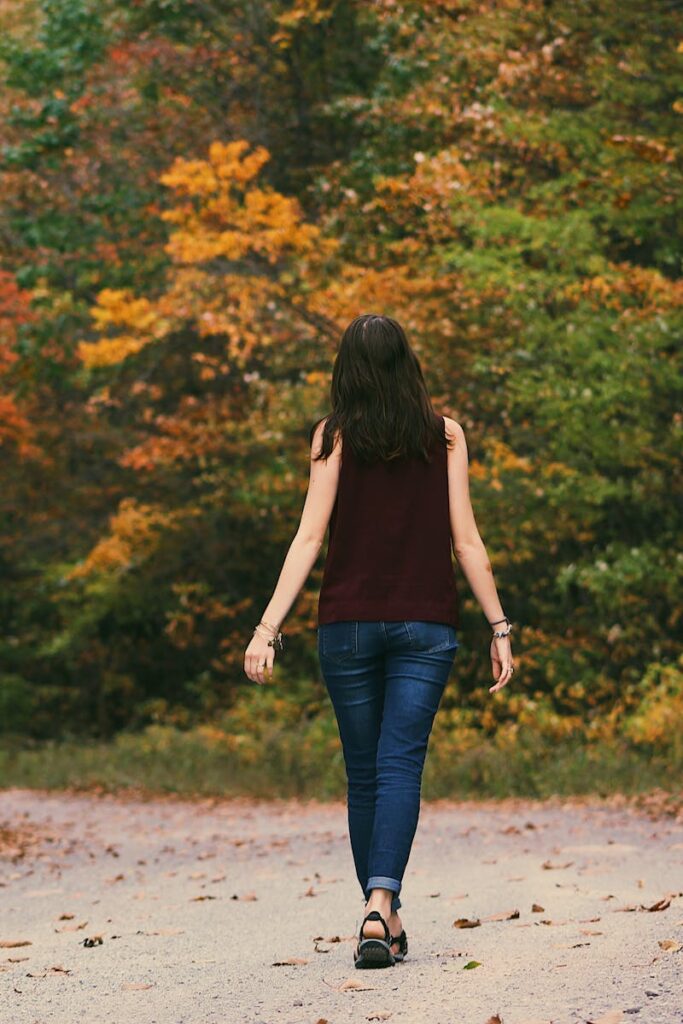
(288, 21)
(109, 351)
(227, 219)
(134, 533)
(659, 719)
(120, 308)
(219, 216)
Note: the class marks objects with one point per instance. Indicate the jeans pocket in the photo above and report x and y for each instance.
(338, 641)
(429, 637)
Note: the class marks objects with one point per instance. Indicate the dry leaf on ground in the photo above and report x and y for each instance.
(466, 922)
(353, 985)
(670, 945)
(503, 915)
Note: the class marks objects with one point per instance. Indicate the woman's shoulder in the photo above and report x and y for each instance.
(316, 433)
(318, 427)
(454, 431)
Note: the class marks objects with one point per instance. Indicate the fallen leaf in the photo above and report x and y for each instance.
(311, 891)
(662, 904)
(13, 943)
(351, 985)
(470, 965)
(292, 961)
(504, 915)
(549, 866)
(49, 970)
(198, 899)
(536, 908)
(66, 917)
(74, 926)
(670, 945)
(17, 959)
(589, 931)
(495, 1019)
(465, 922)
(248, 897)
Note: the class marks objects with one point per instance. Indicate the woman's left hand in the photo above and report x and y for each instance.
(258, 659)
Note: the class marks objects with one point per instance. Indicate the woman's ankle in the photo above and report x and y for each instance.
(380, 899)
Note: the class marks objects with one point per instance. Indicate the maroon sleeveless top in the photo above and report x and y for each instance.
(389, 550)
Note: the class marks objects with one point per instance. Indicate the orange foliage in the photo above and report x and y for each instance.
(14, 311)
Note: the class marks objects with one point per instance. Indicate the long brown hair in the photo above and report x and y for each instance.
(380, 403)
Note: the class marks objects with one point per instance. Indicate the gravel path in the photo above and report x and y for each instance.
(171, 911)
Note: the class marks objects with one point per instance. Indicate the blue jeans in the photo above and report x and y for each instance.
(385, 681)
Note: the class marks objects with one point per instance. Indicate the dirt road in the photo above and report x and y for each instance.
(119, 909)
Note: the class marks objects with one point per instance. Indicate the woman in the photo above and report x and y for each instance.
(390, 476)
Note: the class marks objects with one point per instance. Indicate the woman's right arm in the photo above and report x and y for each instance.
(470, 551)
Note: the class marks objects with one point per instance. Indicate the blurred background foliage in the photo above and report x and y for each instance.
(195, 198)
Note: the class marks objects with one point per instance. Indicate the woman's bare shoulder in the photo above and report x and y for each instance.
(316, 435)
(454, 431)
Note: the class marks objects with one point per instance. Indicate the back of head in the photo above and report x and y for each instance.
(380, 403)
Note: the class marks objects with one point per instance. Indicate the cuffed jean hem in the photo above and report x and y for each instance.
(383, 882)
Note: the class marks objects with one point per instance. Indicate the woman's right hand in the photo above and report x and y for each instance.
(501, 662)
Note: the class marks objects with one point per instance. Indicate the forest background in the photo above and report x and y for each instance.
(195, 198)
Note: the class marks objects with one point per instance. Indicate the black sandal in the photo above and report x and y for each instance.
(374, 952)
(402, 940)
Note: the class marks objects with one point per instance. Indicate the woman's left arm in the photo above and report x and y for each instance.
(302, 554)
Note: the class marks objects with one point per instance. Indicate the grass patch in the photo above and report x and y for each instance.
(304, 760)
